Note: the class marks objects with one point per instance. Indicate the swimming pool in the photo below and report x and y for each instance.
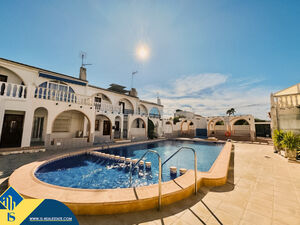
(88, 171)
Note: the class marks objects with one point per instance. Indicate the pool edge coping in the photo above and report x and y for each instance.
(182, 186)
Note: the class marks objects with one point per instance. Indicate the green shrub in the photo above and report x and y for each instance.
(175, 120)
(277, 138)
(290, 141)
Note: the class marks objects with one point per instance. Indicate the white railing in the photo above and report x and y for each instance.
(10, 90)
(62, 96)
(107, 108)
(287, 101)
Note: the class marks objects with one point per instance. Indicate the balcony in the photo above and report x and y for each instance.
(14, 91)
(157, 116)
(107, 108)
(128, 111)
(62, 96)
(287, 101)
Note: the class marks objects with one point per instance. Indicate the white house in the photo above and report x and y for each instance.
(285, 109)
(42, 107)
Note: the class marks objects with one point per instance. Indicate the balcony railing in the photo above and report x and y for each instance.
(287, 101)
(10, 90)
(107, 108)
(128, 111)
(154, 116)
(62, 96)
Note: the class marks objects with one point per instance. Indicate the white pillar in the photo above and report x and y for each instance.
(27, 128)
(2, 113)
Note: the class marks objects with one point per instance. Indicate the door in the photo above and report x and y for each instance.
(12, 131)
(125, 126)
(117, 130)
(38, 127)
(106, 127)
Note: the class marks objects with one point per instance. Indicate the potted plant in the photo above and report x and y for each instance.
(277, 139)
(290, 142)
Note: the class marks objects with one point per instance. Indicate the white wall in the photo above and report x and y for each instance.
(31, 78)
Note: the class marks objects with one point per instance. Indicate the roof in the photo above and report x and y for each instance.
(294, 89)
(152, 103)
(44, 70)
(71, 77)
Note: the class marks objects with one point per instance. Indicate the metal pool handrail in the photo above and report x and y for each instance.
(159, 174)
(195, 162)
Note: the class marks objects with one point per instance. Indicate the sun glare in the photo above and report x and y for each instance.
(142, 52)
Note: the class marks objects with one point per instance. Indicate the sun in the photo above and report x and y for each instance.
(142, 52)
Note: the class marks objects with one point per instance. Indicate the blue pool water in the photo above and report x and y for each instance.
(93, 172)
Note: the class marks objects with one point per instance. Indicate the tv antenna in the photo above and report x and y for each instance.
(133, 73)
(83, 57)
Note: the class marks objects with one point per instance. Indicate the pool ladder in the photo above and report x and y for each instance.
(159, 173)
(195, 162)
(160, 169)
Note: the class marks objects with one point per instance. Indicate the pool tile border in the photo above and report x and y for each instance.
(111, 201)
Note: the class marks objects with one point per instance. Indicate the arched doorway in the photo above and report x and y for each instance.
(241, 127)
(191, 129)
(151, 127)
(138, 129)
(70, 128)
(103, 129)
(117, 130)
(39, 126)
(219, 127)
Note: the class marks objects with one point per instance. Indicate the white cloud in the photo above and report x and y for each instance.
(212, 94)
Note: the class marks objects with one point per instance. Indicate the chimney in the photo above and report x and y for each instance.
(82, 73)
(133, 92)
(158, 100)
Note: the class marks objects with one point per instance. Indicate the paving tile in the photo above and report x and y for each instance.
(226, 218)
(261, 202)
(255, 218)
(232, 209)
(259, 209)
(283, 218)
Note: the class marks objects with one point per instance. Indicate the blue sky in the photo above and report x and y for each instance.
(206, 56)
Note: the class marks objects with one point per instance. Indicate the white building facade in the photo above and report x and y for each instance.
(187, 125)
(41, 107)
(285, 109)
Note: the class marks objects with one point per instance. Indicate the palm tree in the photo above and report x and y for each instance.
(230, 112)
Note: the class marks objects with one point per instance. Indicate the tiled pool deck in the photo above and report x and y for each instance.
(262, 188)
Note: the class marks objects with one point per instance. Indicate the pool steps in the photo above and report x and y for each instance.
(121, 162)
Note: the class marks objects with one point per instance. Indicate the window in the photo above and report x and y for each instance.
(38, 125)
(97, 125)
(117, 126)
(3, 78)
(106, 127)
(61, 95)
(97, 99)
